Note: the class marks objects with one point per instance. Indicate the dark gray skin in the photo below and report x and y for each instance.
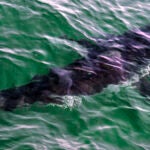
(109, 61)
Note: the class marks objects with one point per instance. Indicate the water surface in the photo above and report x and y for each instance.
(32, 40)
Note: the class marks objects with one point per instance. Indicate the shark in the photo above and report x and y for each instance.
(110, 60)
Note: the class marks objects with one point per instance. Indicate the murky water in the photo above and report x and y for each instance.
(32, 40)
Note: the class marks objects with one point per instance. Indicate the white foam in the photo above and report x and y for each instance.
(72, 101)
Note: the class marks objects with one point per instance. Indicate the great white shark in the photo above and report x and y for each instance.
(111, 60)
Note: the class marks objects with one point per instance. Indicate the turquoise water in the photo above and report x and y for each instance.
(31, 42)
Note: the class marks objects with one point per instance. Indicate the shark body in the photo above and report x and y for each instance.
(109, 61)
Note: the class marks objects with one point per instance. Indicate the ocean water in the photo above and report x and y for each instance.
(32, 40)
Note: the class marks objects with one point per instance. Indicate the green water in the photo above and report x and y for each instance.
(31, 42)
